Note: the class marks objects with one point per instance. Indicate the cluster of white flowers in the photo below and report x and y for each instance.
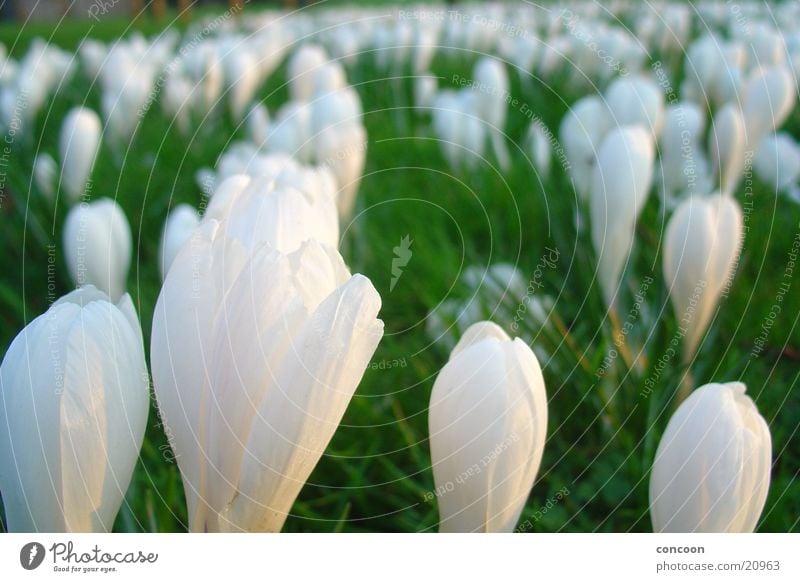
(261, 334)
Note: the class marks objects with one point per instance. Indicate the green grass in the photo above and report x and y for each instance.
(375, 474)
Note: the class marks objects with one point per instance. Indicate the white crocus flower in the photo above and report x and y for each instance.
(256, 354)
(728, 147)
(620, 185)
(582, 131)
(74, 397)
(178, 227)
(302, 69)
(45, 174)
(712, 468)
(488, 424)
(98, 246)
(769, 98)
(701, 249)
(636, 100)
(78, 144)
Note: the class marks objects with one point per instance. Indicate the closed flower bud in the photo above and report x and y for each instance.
(727, 147)
(78, 144)
(73, 410)
(769, 97)
(343, 149)
(777, 160)
(701, 248)
(302, 69)
(582, 131)
(620, 184)
(712, 468)
(487, 423)
(241, 72)
(540, 148)
(256, 354)
(684, 165)
(177, 229)
(97, 245)
(257, 124)
(636, 100)
(45, 172)
(425, 87)
(491, 97)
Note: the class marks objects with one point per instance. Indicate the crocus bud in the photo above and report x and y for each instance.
(620, 184)
(127, 85)
(491, 104)
(329, 77)
(284, 217)
(73, 410)
(712, 467)
(241, 72)
(684, 166)
(769, 97)
(45, 172)
(636, 100)
(487, 423)
(343, 149)
(727, 144)
(701, 249)
(337, 108)
(291, 131)
(97, 245)
(258, 124)
(177, 229)
(777, 160)
(284, 340)
(78, 144)
(582, 131)
(178, 100)
(207, 75)
(425, 87)
(540, 148)
(301, 70)
(704, 65)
